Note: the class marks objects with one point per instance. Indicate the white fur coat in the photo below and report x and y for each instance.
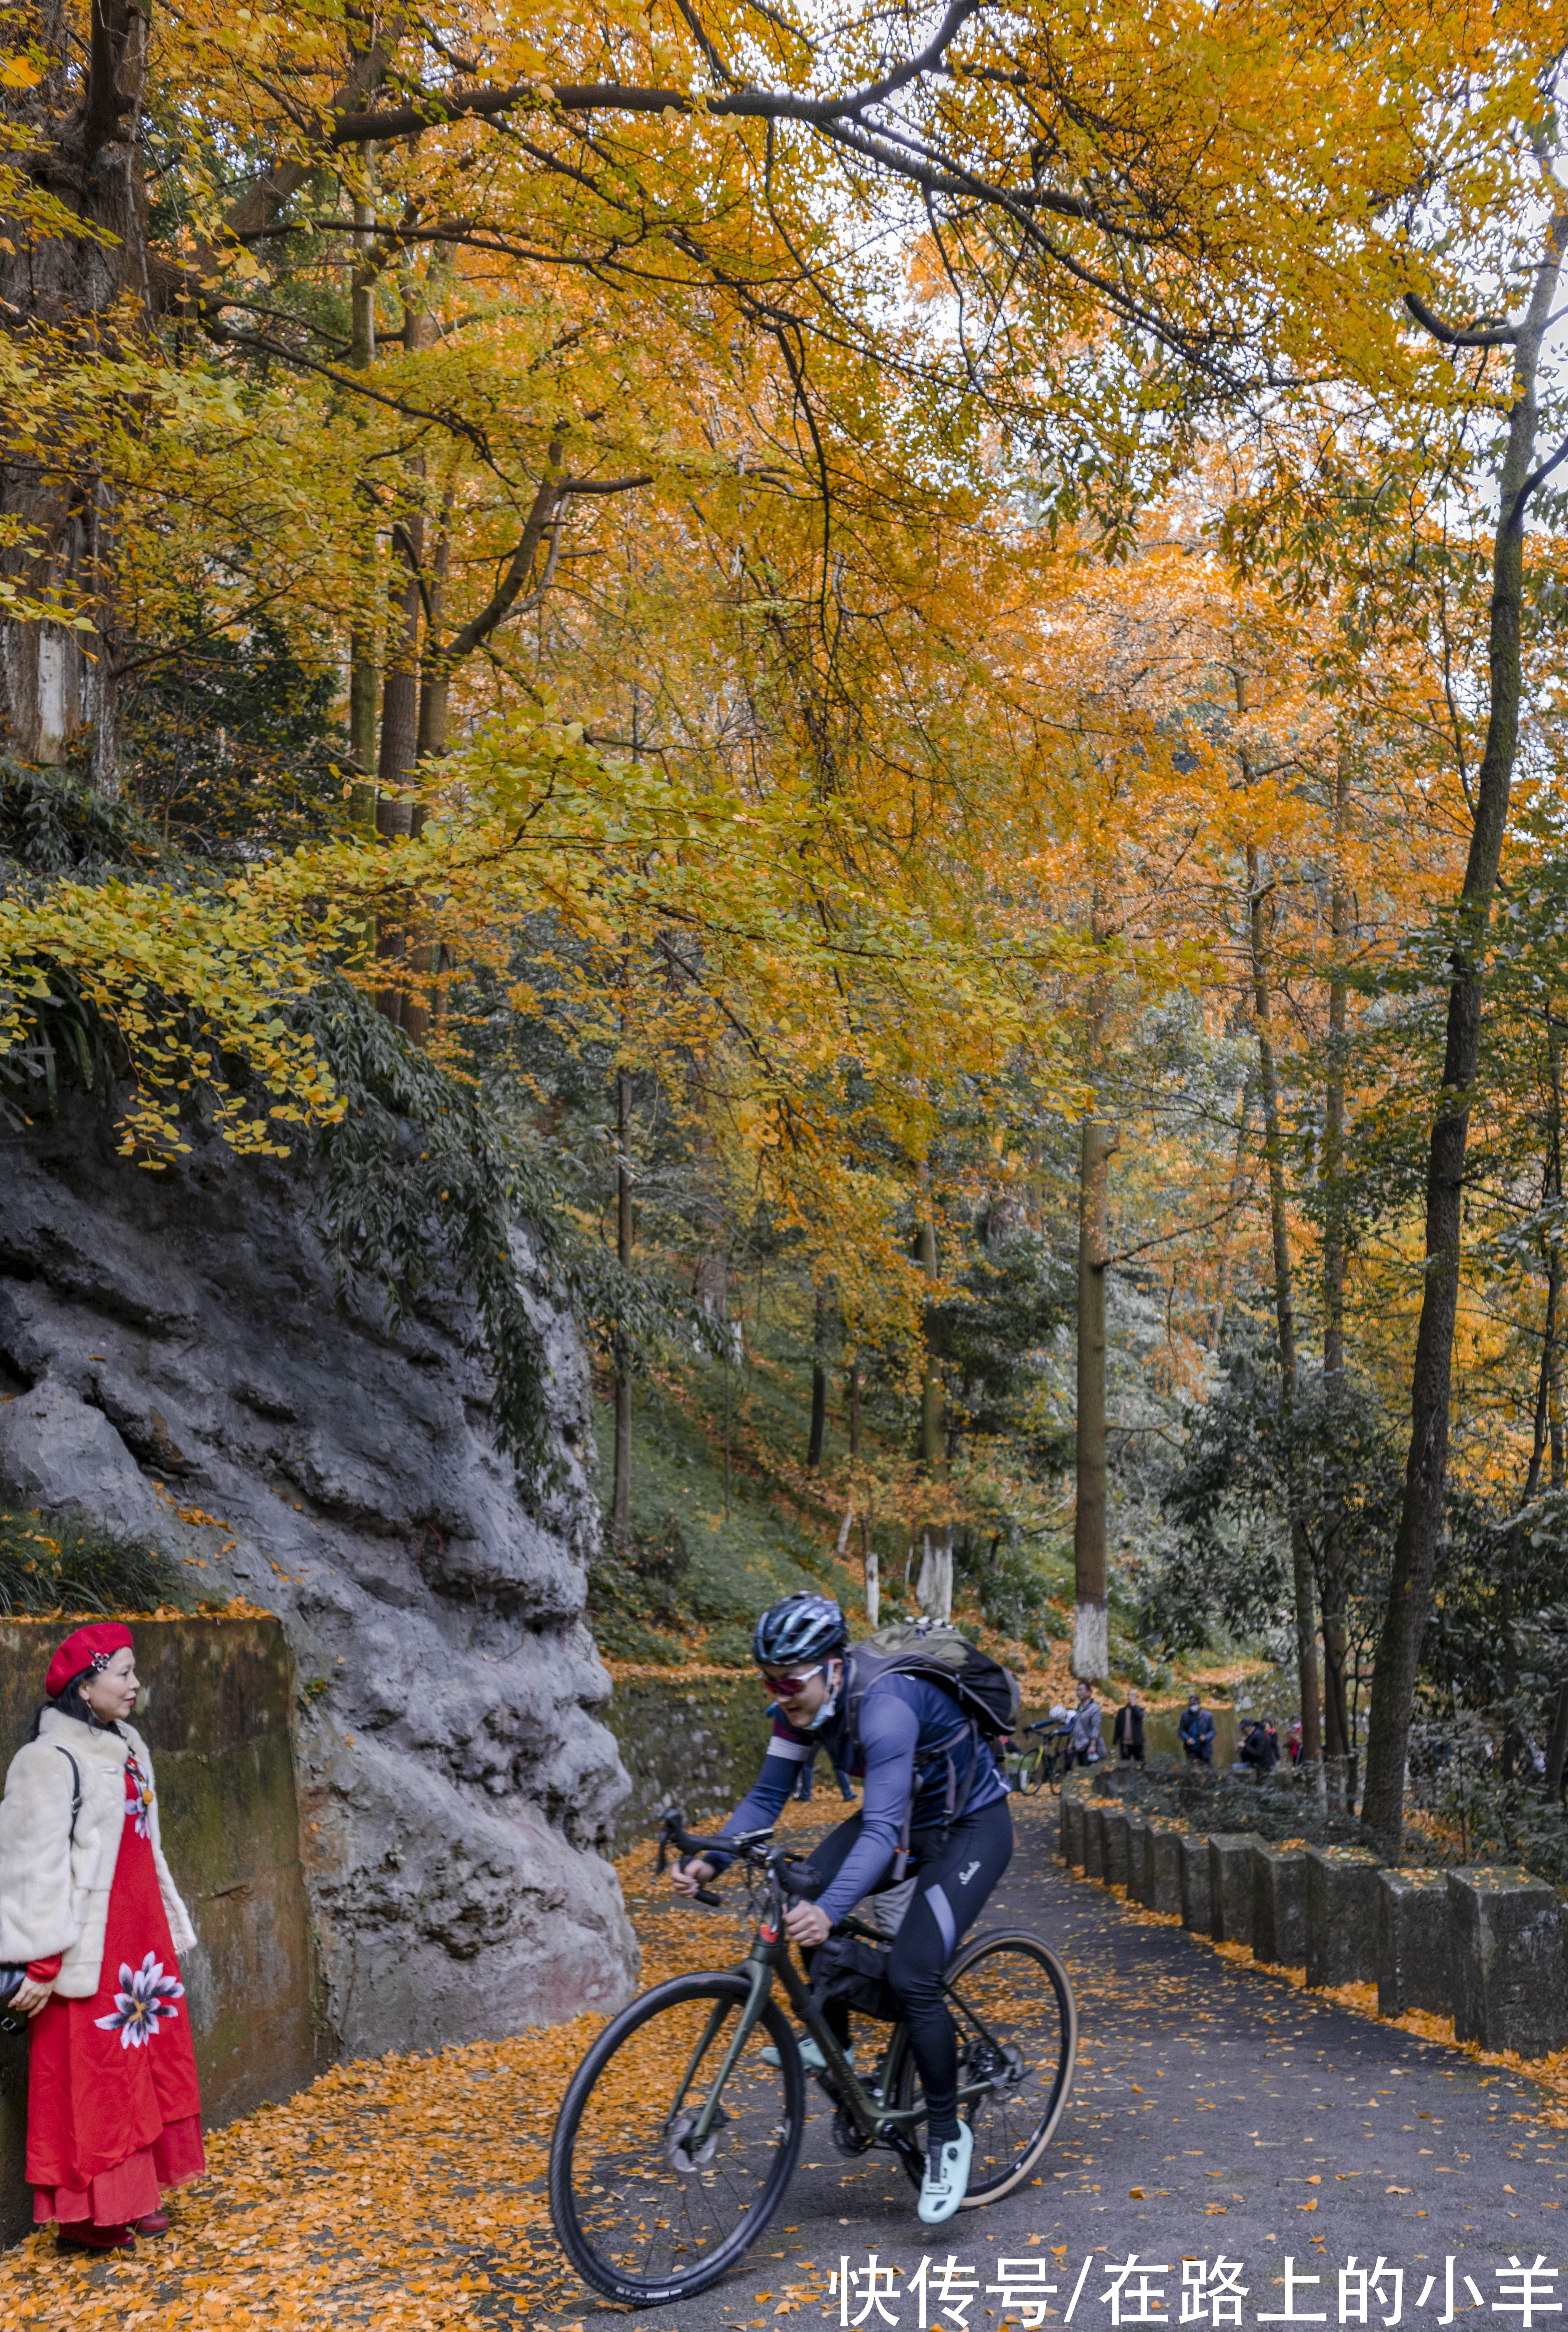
(53, 1893)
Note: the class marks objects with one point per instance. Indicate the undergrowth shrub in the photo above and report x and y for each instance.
(64, 1566)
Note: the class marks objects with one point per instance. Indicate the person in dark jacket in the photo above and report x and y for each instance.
(1197, 1731)
(1127, 1732)
(1260, 1750)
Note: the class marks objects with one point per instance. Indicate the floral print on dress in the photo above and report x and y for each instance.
(138, 1798)
(144, 1995)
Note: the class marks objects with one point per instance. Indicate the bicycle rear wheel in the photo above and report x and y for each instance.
(643, 2213)
(1018, 2030)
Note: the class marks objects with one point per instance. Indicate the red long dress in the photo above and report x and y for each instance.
(113, 2110)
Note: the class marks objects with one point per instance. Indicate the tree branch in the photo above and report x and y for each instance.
(432, 108)
(1125, 1254)
(1489, 336)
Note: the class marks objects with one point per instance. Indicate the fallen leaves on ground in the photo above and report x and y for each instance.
(409, 2193)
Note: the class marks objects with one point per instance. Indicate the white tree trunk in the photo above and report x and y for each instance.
(1091, 1643)
(934, 1592)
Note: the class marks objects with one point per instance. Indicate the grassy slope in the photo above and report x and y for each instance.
(696, 1582)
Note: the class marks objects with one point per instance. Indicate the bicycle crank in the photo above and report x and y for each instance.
(847, 2134)
(679, 2155)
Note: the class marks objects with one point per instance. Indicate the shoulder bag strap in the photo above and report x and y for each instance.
(75, 1787)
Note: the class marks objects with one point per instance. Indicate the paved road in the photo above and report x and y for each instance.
(1217, 2111)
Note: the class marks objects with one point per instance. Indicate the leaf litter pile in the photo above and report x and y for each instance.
(406, 2192)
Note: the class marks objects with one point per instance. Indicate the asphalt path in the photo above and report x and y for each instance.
(1217, 2113)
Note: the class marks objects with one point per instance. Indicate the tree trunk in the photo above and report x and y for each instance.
(1227, 1230)
(1553, 1341)
(620, 1511)
(1415, 1559)
(1259, 919)
(726, 1431)
(397, 812)
(1557, 1746)
(65, 299)
(363, 678)
(931, 1433)
(872, 1578)
(853, 1411)
(934, 1588)
(1091, 1626)
(819, 1385)
(1333, 1237)
(1336, 1742)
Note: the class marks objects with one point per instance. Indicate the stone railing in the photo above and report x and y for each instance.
(220, 1700)
(1484, 1944)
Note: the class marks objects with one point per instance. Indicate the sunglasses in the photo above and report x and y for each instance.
(785, 1687)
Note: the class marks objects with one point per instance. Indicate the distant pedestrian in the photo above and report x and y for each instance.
(1260, 1749)
(1293, 1741)
(1088, 1745)
(1127, 1732)
(88, 1908)
(803, 1785)
(1197, 1731)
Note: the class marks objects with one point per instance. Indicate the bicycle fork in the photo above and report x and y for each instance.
(691, 2139)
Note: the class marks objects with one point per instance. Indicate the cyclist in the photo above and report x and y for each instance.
(802, 1646)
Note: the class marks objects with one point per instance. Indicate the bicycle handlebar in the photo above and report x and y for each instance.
(754, 1846)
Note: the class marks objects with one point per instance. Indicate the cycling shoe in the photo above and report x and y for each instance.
(946, 2180)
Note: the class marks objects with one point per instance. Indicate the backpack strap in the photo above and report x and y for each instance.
(75, 1788)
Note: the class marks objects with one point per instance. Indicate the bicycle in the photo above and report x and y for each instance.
(676, 2140)
(1044, 1764)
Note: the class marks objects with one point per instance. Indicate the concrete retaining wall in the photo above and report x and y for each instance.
(699, 1745)
(219, 1707)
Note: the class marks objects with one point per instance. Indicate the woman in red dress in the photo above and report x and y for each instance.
(88, 1907)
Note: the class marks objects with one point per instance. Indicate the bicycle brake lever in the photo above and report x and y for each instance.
(672, 1819)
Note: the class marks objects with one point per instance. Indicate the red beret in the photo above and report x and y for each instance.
(78, 1651)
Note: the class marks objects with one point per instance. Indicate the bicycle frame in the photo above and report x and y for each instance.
(768, 1957)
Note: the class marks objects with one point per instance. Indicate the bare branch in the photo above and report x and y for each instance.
(434, 108)
(1474, 336)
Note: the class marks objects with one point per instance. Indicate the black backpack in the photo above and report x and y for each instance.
(980, 1688)
(986, 1692)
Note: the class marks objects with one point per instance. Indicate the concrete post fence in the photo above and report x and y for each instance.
(1196, 1911)
(1278, 1905)
(1506, 1937)
(1114, 1830)
(1487, 1945)
(1094, 1840)
(1138, 1860)
(1230, 1887)
(1342, 1916)
(1415, 1951)
(1163, 1857)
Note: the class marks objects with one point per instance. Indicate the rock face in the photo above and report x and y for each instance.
(178, 1368)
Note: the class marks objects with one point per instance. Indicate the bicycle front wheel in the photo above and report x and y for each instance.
(645, 2209)
(1017, 2024)
(1032, 1774)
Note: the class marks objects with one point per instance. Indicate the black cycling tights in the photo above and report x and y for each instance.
(950, 1884)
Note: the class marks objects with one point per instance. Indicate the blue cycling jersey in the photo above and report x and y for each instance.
(901, 1719)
